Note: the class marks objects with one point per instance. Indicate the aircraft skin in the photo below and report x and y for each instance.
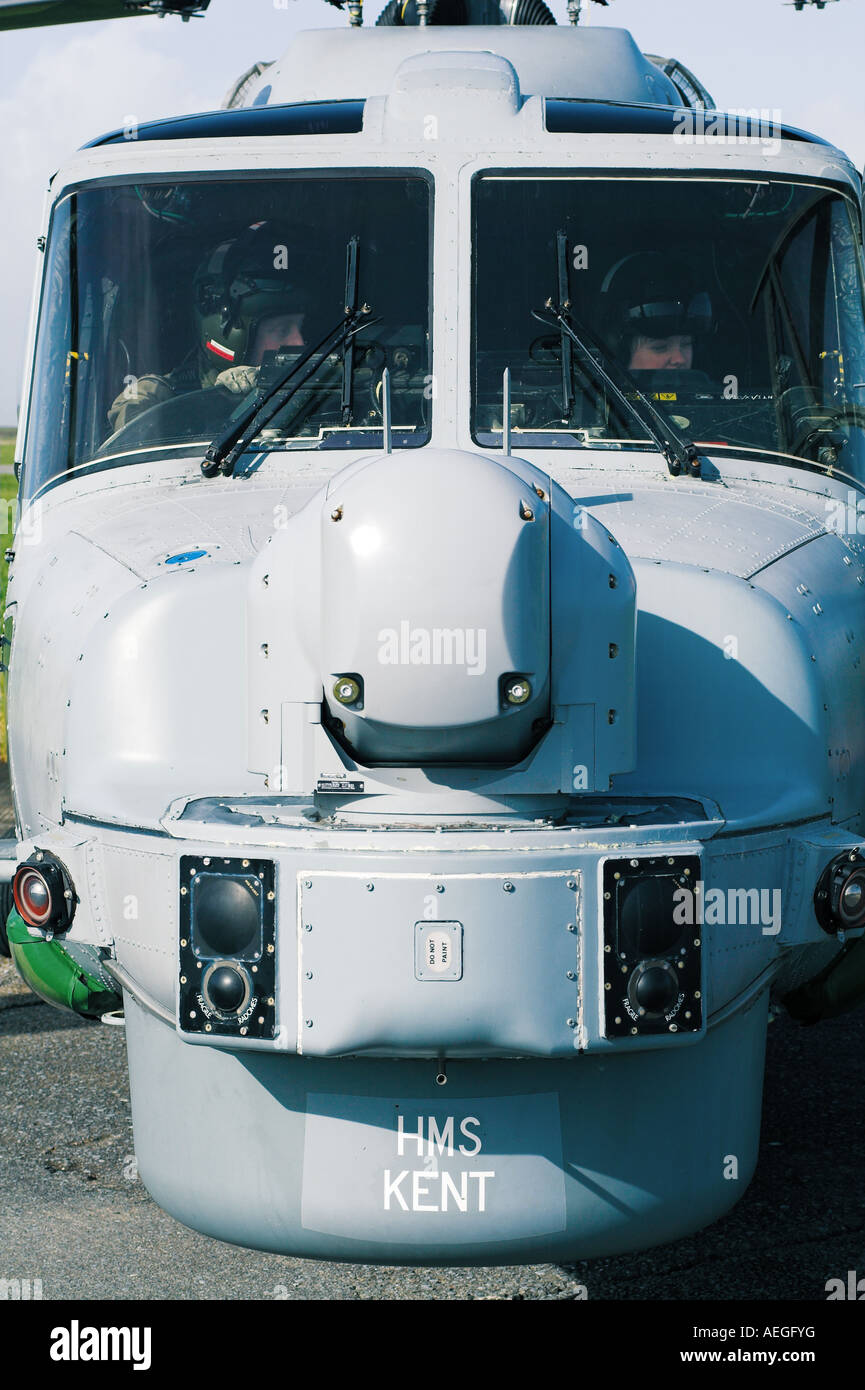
(444, 1080)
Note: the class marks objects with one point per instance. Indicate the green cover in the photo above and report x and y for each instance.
(67, 976)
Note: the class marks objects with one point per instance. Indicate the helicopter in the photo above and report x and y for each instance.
(434, 634)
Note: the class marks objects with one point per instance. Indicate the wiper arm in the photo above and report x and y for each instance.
(228, 446)
(680, 453)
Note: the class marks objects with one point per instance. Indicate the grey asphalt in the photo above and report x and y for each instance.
(74, 1215)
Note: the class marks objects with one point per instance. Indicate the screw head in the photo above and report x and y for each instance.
(346, 690)
(517, 690)
(308, 1022)
(571, 1022)
(572, 974)
(508, 886)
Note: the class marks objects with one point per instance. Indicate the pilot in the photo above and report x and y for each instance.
(654, 312)
(244, 305)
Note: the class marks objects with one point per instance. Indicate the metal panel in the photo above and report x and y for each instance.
(359, 991)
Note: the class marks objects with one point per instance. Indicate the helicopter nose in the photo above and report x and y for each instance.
(435, 607)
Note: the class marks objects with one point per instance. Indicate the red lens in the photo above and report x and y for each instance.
(32, 897)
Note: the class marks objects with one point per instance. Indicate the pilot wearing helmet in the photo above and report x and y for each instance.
(245, 305)
(655, 312)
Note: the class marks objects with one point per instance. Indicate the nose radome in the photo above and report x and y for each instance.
(435, 629)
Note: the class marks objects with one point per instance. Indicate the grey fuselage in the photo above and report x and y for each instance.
(699, 642)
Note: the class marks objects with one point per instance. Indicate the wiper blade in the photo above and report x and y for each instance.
(679, 452)
(226, 449)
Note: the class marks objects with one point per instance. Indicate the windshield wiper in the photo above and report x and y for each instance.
(228, 446)
(681, 453)
(269, 400)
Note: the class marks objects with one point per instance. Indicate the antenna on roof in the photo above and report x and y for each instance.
(575, 9)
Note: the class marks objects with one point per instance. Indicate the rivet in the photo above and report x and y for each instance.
(674, 1027)
(572, 974)
(307, 926)
(244, 863)
(571, 1022)
(440, 888)
(370, 887)
(309, 1023)
(572, 883)
(607, 985)
(183, 941)
(508, 886)
(271, 948)
(192, 1013)
(271, 1001)
(184, 891)
(309, 974)
(183, 979)
(271, 895)
(696, 994)
(207, 1028)
(572, 926)
(206, 861)
(633, 1031)
(696, 940)
(608, 949)
(307, 883)
(244, 1031)
(260, 1018)
(255, 969)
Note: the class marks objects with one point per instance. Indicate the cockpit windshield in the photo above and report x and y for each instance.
(167, 304)
(736, 307)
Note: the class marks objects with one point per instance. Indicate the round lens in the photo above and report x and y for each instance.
(226, 989)
(32, 897)
(851, 902)
(656, 989)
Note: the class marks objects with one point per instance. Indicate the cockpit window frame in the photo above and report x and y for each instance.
(617, 449)
(194, 448)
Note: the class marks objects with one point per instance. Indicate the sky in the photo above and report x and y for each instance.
(61, 87)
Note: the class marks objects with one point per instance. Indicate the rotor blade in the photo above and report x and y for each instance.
(35, 14)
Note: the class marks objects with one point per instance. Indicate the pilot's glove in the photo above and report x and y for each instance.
(238, 380)
(139, 394)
